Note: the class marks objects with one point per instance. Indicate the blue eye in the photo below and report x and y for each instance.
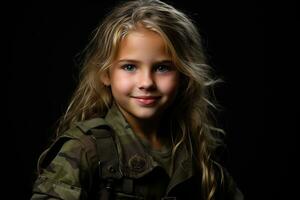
(129, 67)
(162, 68)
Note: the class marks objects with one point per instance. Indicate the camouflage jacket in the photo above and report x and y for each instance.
(71, 173)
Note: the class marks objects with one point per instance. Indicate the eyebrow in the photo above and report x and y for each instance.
(137, 61)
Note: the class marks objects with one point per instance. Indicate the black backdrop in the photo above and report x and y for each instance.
(45, 38)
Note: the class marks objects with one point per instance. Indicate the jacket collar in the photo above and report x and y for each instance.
(135, 162)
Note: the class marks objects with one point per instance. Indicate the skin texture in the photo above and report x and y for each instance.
(144, 81)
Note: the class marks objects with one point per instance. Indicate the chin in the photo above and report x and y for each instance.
(145, 115)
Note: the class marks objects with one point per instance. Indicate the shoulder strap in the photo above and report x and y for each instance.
(107, 152)
(108, 159)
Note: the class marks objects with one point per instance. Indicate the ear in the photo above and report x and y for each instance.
(105, 78)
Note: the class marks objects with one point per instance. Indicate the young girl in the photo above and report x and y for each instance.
(139, 124)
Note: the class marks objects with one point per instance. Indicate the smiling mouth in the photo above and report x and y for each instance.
(147, 100)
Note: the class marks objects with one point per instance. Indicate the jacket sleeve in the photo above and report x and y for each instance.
(68, 176)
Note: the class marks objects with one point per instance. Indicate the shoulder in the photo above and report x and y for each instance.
(79, 136)
(77, 140)
(69, 163)
(86, 125)
(73, 150)
(228, 186)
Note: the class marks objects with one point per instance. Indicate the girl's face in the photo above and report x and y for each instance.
(143, 78)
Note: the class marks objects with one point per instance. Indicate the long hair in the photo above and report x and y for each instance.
(192, 121)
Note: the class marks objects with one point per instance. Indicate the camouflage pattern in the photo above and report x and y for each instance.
(70, 174)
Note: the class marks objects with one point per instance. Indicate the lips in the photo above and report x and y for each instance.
(146, 100)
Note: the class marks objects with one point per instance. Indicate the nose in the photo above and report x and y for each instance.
(146, 81)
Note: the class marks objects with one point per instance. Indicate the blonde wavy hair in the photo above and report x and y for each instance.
(192, 121)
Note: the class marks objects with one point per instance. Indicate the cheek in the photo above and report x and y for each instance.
(120, 84)
(169, 85)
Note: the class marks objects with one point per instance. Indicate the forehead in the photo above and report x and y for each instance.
(142, 43)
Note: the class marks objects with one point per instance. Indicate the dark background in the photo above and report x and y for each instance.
(44, 42)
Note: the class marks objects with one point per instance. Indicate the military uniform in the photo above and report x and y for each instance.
(72, 172)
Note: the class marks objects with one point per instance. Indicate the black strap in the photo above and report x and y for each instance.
(108, 165)
(52, 151)
(107, 192)
(107, 153)
(110, 175)
(106, 146)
